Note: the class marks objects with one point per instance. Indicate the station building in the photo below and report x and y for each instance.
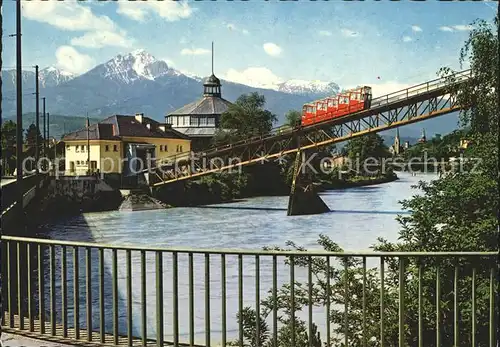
(116, 141)
(200, 119)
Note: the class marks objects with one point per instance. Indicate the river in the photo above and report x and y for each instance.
(359, 216)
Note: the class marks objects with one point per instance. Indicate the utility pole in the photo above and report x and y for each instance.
(19, 97)
(44, 137)
(48, 127)
(48, 138)
(37, 121)
(88, 144)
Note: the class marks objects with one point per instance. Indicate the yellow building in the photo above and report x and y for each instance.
(464, 144)
(122, 145)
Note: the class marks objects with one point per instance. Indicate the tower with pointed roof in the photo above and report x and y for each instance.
(201, 119)
(397, 144)
(422, 137)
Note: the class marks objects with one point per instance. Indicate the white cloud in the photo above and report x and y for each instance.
(416, 28)
(99, 39)
(453, 28)
(272, 49)
(99, 31)
(169, 10)
(194, 51)
(169, 62)
(349, 33)
(325, 33)
(245, 31)
(253, 76)
(463, 27)
(407, 39)
(445, 28)
(66, 15)
(69, 59)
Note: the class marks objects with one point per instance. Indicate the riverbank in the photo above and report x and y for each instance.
(358, 181)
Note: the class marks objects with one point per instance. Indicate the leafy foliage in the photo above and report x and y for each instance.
(440, 148)
(31, 136)
(368, 149)
(8, 147)
(293, 118)
(246, 117)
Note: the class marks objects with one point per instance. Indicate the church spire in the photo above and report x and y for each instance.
(422, 138)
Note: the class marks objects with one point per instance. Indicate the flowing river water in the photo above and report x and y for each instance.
(359, 216)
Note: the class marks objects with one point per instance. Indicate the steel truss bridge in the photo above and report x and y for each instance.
(417, 103)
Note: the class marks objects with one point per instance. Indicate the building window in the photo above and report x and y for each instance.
(68, 148)
(161, 148)
(203, 121)
(194, 121)
(83, 148)
(76, 149)
(115, 148)
(165, 148)
(106, 148)
(211, 121)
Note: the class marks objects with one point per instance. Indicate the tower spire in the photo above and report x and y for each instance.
(212, 57)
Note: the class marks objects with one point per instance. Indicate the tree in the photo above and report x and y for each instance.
(370, 146)
(31, 135)
(8, 147)
(293, 118)
(247, 116)
(458, 212)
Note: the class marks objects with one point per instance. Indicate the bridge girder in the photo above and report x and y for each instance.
(386, 113)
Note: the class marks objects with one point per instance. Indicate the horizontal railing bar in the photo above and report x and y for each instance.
(318, 253)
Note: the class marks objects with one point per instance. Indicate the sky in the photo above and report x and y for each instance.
(386, 44)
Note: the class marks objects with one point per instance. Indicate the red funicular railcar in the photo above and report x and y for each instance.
(308, 114)
(333, 106)
(321, 110)
(347, 102)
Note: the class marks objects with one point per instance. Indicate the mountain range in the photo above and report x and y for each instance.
(138, 82)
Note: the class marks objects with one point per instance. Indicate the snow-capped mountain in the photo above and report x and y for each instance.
(301, 87)
(136, 65)
(52, 76)
(47, 77)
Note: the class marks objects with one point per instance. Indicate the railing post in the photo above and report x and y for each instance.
(159, 299)
(401, 302)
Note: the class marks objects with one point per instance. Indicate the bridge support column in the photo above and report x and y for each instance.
(304, 199)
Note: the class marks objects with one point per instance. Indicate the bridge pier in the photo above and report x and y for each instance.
(303, 199)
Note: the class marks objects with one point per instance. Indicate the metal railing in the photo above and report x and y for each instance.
(142, 296)
(9, 192)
